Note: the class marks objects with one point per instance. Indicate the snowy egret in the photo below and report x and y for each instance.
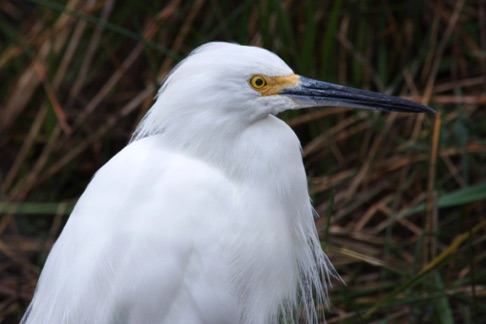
(205, 216)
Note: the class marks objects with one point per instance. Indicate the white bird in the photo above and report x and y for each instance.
(204, 217)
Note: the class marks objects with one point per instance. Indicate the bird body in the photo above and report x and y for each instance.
(205, 216)
(146, 244)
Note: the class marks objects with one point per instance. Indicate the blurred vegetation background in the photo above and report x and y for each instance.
(402, 197)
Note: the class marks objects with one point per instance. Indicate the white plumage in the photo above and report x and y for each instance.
(205, 216)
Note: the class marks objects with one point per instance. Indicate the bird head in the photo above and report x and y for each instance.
(225, 83)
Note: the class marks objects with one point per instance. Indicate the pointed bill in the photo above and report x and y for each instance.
(313, 93)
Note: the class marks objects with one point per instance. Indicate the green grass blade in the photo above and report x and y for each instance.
(455, 198)
(32, 208)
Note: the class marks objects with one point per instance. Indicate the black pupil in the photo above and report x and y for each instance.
(258, 82)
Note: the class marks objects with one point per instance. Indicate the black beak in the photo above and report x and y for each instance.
(313, 93)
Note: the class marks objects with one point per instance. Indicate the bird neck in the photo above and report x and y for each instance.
(265, 151)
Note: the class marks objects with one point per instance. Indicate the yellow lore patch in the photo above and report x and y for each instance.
(269, 86)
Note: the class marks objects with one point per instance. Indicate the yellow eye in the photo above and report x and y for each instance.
(258, 82)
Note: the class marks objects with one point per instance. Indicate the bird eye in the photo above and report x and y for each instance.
(258, 82)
